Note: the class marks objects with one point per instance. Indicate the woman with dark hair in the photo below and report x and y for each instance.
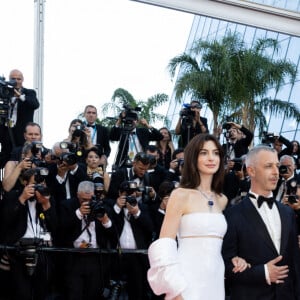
(296, 153)
(95, 171)
(195, 269)
(165, 147)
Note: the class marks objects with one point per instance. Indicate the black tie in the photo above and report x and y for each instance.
(269, 201)
(89, 125)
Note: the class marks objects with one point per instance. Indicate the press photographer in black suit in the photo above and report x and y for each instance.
(99, 133)
(29, 218)
(190, 123)
(21, 109)
(132, 138)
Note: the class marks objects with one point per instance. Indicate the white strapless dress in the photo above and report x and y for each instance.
(195, 269)
(199, 255)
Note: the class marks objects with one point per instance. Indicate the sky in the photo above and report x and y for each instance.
(91, 48)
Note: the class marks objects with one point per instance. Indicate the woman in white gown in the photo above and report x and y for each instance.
(193, 269)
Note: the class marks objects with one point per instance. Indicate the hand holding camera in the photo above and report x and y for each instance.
(42, 196)
(85, 208)
(121, 201)
(25, 164)
(28, 192)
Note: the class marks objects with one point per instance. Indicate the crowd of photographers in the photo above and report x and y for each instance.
(97, 224)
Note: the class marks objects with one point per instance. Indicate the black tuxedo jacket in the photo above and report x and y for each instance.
(247, 237)
(14, 217)
(103, 140)
(241, 146)
(142, 227)
(71, 227)
(144, 135)
(25, 113)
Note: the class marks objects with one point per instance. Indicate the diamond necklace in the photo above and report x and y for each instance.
(210, 201)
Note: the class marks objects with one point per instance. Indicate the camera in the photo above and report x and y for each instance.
(187, 113)
(69, 158)
(146, 190)
(268, 137)
(98, 185)
(131, 200)
(6, 93)
(97, 209)
(42, 189)
(128, 116)
(28, 250)
(292, 199)
(283, 170)
(79, 130)
(40, 174)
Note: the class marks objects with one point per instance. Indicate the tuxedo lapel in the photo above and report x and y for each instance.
(256, 222)
(285, 228)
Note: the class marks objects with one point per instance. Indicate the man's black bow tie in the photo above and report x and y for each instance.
(89, 125)
(269, 201)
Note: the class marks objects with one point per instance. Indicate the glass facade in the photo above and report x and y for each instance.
(206, 28)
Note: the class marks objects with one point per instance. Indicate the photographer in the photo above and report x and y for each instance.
(135, 229)
(65, 173)
(22, 104)
(190, 123)
(99, 133)
(86, 224)
(29, 218)
(288, 181)
(31, 157)
(238, 139)
(132, 138)
(176, 165)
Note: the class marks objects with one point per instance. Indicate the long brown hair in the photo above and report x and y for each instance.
(190, 174)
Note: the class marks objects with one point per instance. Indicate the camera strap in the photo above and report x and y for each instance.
(29, 210)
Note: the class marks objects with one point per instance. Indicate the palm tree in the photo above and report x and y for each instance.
(121, 98)
(254, 72)
(233, 80)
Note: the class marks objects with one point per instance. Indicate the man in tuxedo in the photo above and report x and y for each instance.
(132, 139)
(21, 109)
(190, 123)
(263, 232)
(135, 229)
(29, 218)
(99, 133)
(138, 173)
(84, 226)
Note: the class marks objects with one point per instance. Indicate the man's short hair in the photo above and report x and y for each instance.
(142, 157)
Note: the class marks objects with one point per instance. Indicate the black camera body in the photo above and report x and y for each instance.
(42, 189)
(79, 130)
(129, 116)
(146, 190)
(131, 200)
(69, 158)
(6, 93)
(283, 170)
(187, 114)
(97, 209)
(268, 137)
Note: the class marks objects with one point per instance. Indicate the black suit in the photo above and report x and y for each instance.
(102, 140)
(240, 147)
(134, 266)
(86, 274)
(25, 111)
(247, 237)
(14, 219)
(186, 133)
(144, 135)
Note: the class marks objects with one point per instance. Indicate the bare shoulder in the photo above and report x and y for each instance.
(177, 197)
(222, 200)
